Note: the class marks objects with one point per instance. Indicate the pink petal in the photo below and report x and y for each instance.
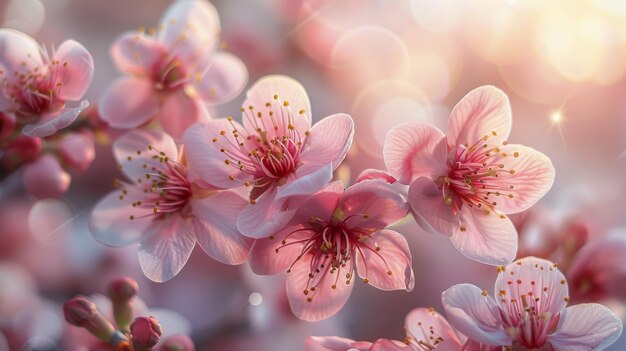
(45, 177)
(480, 113)
(224, 80)
(110, 222)
(204, 155)
(415, 149)
(537, 275)
(304, 182)
(191, 31)
(215, 227)
(74, 70)
(474, 314)
(422, 323)
(391, 345)
(334, 343)
(329, 140)
(372, 204)
(276, 90)
(532, 178)
(136, 53)
(77, 150)
(132, 152)
(429, 208)
(264, 218)
(270, 256)
(50, 124)
(386, 252)
(179, 112)
(166, 247)
(586, 327)
(321, 204)
(15, 48)
(325, 301)
(372, 174)
(128, 103)
(488, 238)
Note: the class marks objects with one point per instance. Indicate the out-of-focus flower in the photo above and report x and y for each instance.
(146, 332)
(173, 72)
(77, 150)
(333, 234)
(36, 86)
(425, 330)
(276, 153)
(529, 311)
(45, 177)
(165, 210)
(463, 184)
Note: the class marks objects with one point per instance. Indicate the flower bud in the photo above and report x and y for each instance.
(20, 150)
(7, 124)
(77, 150)
(146, 332)
(177, 343)
(46, 178)
(121, 291)
(81, 312)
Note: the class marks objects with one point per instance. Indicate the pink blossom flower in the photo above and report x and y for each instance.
(333, 234)
(165, 210)
(529, 312)
(36, 86)
(463, 184)
(598, 270)
(172, 73)
(275, 153)
(426, 330)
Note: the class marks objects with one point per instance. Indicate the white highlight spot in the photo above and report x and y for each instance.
(255, 299)
(556, 117)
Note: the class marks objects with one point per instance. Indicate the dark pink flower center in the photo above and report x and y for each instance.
(267, 151)
(477, 177)
(169, 74)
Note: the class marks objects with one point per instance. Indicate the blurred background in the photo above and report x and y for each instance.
(562, 63)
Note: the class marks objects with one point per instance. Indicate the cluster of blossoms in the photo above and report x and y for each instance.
(262, 191)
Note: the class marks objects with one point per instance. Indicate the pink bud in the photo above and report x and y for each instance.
(77, 150)
(22, 149)
(177, 343)
(46, 178)
(7, 124)
(146, 332)
(81, 312)
(121, 291)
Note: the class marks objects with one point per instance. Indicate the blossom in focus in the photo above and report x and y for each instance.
(276, 153)
(172, 72)
(462, 185)
(165, 210)
(333, 235)
(36, 84)
(529, 311)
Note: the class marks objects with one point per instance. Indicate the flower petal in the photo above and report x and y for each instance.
(270, 256)
(329, 140)
(136, 53)
(179, 112)
(372, 174)
(215, 227)
(265, 217)
(110, 222)
(191, 31)
(322, 204)
(334, 343)
(128, 103)
(422, 323)
(281, 92)
(74, 71)
(474, 314)
(533, 175)
(304, 182)
(205, 156)
(50, 124)
(415, 149)
(133, 155)
(487, 238)
(385, 260)
(372, 204)
(330, 294)
(224, 80)
(481, 112)
(586, 327)
(536, 275)
(390, 345)
(166, 247)
(429, 208)
(15, 48)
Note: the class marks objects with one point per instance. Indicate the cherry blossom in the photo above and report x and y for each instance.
(462, 185)
(276, 153)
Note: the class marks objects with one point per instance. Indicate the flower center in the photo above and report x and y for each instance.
(477, 176)
(169, 75)
(267, 151)
(432, 337)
